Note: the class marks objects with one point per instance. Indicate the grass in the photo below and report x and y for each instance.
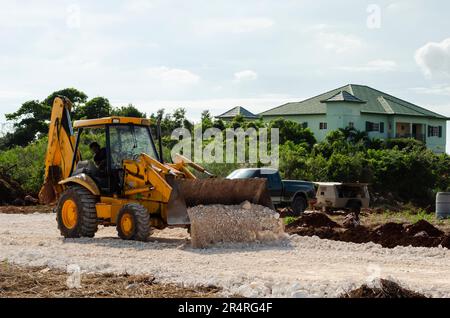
(288, 220)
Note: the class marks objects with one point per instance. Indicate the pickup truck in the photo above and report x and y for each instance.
(297, 195)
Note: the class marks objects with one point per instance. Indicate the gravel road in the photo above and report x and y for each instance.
(298, 267)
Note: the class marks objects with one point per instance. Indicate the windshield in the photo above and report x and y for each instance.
(128, 142)
(243, 174)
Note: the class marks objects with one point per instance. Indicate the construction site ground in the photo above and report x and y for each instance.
(296, 267)
(43, 282)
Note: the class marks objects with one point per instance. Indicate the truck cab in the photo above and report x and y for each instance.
(296, 194)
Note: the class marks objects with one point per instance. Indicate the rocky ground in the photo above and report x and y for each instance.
(295, 267)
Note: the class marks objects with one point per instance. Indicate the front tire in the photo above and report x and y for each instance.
(299, 205)
(133, 223)
(76, 214)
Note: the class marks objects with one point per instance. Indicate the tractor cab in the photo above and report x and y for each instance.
(116, 139)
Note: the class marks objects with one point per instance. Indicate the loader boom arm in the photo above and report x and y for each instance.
(60, 150)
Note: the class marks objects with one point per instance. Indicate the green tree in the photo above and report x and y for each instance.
(237, 122)
(345, 168)
(292, 131)
(219, 124)
(206, 120)
(128, 111)
(75, 96)
(179, 117)
(30, 121)
(97, 107)
(293, 160)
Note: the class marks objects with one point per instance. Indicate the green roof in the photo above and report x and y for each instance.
(344, 96)
(372, 101)
(238, 111)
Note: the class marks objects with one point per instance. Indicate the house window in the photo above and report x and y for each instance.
(323, 126)
(382, 128)
(435, 131)
(305, 125)
(373, 126)
(351, 125)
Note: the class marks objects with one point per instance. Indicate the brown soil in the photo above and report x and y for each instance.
(27, 282)
(423, 226)
(315, 220)
(10, 190)
(10, 209)
(389, 235)
(387, 289)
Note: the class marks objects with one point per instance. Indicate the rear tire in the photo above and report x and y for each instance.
(76, 214)
(299, 205)
(133, 223)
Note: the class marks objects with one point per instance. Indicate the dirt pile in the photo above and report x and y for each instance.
(382, 289)
(245, 223)
(314, 220)
(389, 235)
(423, 226)
(10, 190)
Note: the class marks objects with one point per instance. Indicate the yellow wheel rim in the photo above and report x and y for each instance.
(126, 224)
(69, 214)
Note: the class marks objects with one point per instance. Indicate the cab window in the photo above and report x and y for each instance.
(128, 142)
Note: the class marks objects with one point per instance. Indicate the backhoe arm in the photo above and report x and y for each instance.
(60, 150)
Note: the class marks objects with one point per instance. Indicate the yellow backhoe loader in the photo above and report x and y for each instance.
(136, 190)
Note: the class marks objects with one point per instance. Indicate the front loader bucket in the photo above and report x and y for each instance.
(193, 192)
(177, 209)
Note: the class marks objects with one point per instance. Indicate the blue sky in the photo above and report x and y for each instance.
(219, 54)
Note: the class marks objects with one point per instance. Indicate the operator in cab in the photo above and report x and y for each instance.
(99, 156)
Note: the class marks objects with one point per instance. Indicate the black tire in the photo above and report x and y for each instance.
(299, 205)
(140, 223)
(86, 223)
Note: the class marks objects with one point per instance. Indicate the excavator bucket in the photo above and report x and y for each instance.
(194, 192)
(47, 194)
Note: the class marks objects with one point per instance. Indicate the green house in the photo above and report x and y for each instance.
(381, 115)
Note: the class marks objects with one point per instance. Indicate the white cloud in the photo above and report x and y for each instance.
(172, 76)
(338, 42)
(372, 66)
(216, 106)
(402, 7)
(13, 94)
(443, 90)
(245, 76)
(138, 6)
(234, 25)
(434, 59)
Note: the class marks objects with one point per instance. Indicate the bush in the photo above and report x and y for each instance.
(28, 165)
(404, 143)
